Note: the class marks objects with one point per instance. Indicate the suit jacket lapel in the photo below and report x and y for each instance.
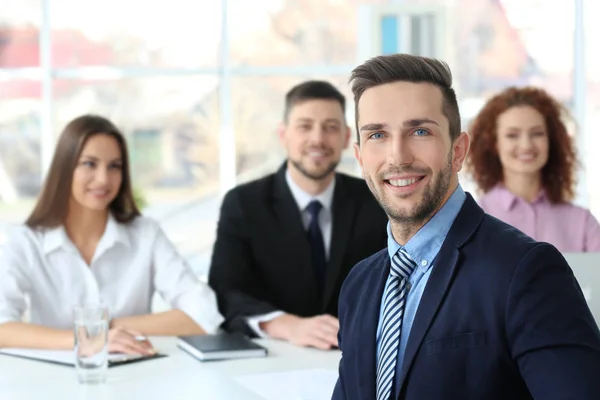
(444, 269)
(366, 336)
(293, 234)
(343, 212)
(437, 285)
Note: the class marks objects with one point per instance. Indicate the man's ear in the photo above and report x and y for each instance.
(460, 151)
(281, 131)
(357, 153)
(347, 137)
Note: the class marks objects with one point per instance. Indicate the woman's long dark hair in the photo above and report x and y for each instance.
(52, 205)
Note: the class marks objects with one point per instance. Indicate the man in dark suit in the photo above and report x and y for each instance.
(460, 305)
(286, 242)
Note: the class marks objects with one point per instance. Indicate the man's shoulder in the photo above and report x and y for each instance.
(265, 185)
(503, 233)
(353, 183)
(358, 281)
(500, 244)
(359, 190)
(364, 267)
(254, 188)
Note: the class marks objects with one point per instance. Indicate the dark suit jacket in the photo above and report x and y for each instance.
(502, 317)
(261, 259)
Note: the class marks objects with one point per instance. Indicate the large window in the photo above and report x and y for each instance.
(295, 33)
(200, 110)
(20, 94)
(162, 34)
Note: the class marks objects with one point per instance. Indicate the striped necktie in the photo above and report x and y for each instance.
(393, 309)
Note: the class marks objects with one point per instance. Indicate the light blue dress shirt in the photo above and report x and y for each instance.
(422, 248)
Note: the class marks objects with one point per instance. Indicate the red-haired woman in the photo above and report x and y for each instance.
(523, 160)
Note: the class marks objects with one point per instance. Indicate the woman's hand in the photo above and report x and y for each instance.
(124, 340)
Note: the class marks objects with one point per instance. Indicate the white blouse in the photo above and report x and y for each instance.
(131, 262)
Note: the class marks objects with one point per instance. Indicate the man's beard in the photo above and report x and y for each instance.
(433, 196)
(316, 176)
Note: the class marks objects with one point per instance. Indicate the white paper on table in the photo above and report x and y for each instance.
(56, 356)
(313, 384)
(66, 357)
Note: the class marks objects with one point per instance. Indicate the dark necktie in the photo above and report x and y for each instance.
(317, 244)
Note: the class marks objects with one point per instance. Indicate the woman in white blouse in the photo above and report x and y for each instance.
(86, 243)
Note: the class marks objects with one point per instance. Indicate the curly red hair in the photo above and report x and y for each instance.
(483, 163)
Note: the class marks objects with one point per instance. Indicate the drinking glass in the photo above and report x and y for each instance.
(91, 343)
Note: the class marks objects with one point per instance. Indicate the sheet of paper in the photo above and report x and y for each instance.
(60, 356)
(314, 384)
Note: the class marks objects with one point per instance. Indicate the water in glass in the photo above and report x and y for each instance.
(91, 346)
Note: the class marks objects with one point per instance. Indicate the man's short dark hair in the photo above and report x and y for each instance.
(312, 90)
(408, 68)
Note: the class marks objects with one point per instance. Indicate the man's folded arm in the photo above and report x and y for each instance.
(232, 274)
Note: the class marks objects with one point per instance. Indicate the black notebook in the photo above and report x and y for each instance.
(221, 347)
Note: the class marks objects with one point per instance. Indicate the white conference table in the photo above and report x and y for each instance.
(178, 376)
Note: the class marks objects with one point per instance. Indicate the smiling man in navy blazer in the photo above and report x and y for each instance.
(460, 305)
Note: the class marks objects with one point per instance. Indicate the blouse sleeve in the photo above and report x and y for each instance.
(14, 278)
(592, 234)
(180, 288)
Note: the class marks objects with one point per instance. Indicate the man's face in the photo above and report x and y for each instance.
(405, 151)
(314, 135)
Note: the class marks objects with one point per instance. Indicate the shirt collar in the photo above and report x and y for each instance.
(508, 199)
(55, 238)
(424, 246)
(302, 198)
(114, 232)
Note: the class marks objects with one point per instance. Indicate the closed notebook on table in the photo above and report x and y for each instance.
(221, 347)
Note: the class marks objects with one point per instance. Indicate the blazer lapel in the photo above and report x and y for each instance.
(444, 270)
(439, 281)
(293, 236)
(365, 339)
(343, 212)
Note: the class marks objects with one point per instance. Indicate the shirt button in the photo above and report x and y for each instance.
(424, 262)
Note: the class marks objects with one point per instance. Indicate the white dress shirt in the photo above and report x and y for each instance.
(325, 223)
(130, 263)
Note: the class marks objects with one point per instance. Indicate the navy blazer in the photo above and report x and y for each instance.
(502, 317)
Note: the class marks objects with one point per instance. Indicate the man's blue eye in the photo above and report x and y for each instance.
(377, 135)
(421, 132)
